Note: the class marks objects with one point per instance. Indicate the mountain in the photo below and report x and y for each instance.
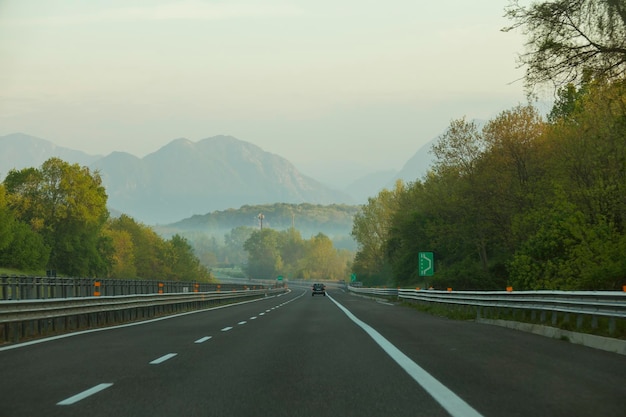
(18, 151)
(182, 178)
(414, 169)
(186, 178)
(369, 185)
(418, 166)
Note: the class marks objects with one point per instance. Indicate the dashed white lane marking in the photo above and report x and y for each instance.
(242, 322)
(253, 318)
(451, 402)
(163, 358)
(202, 340)
(225, 329)
(261, 314)
(78, 397)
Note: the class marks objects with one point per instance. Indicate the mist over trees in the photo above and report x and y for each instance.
(272, 253)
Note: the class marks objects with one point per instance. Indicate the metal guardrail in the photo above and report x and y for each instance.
(24, 319)
(17, 287)
(16, 311)
(610, 304)
(600, 303)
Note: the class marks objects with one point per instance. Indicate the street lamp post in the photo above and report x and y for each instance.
(261, 217)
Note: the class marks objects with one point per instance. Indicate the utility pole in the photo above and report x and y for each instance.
(261, 217)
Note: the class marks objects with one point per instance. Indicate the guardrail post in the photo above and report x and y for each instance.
(612, 325)
(3, 288)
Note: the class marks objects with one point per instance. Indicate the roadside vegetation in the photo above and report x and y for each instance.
(524, 200)
(54, 219)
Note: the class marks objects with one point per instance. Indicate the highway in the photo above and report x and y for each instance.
(298, 355)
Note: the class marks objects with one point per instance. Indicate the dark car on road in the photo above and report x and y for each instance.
(318, 289)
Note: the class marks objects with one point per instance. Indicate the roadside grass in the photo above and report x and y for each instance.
(20, 272)
(599, 326)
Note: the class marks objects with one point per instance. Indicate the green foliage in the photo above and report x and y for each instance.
(272, 253)
(182, 262)
(66, 205)
(523, 202)
(55, 217)
(371, 228)
(264, 259)
(26, 250)
(140, 253)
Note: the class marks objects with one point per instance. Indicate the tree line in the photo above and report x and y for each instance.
(54, 218)
(524, 200)
(273, 253)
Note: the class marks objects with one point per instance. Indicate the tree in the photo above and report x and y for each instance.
(234, 241)
(321, 261)
(264, 260)
(370, 229)
(569, 39)
(66, 204)
(182, 262)
(122, 256)
(7, 220)
(149, 250)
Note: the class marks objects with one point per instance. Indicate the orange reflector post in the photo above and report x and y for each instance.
(96, 290)
(624, 288)
(509, 289)
(161, 285)
(449, 289)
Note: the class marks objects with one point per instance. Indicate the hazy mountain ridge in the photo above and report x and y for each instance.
(19, 150)
(183, 178)
(186, 178)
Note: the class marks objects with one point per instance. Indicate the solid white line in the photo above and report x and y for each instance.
(202, 340)
(78, 397)
(225, 329)
(163, 358)
(452, 403)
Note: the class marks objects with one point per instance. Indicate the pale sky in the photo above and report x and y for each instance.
(338, 87)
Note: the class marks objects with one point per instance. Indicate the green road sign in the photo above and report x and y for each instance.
(427, 264)
(280, 278)
(352, 277)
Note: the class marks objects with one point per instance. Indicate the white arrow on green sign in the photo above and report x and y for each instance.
(426, 264)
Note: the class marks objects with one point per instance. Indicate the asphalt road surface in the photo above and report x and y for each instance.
(298, 355)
